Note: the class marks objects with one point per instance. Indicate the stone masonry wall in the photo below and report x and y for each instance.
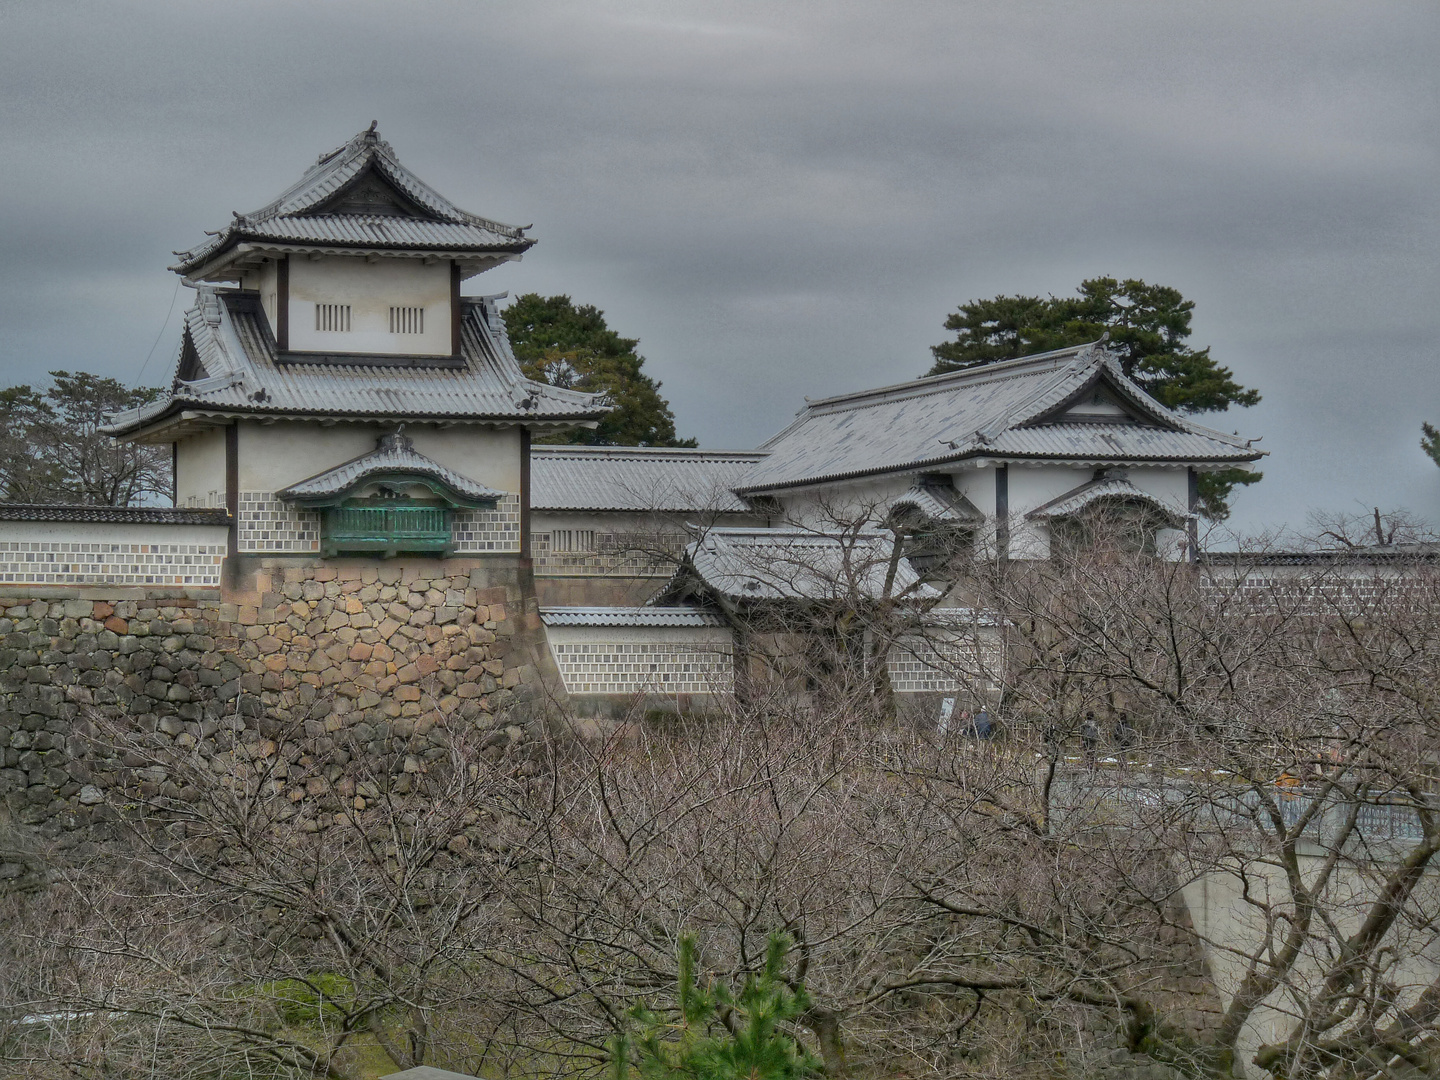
(381, 657)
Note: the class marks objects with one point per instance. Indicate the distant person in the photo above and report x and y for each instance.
(1125, 735)
(982, 726)
(1089, 739)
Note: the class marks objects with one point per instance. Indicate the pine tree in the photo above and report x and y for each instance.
(1430, 441)
(560, 343)
(720, 1035)
(1147, 327)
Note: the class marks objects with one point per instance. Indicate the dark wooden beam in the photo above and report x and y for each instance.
(525, 493)
(282, 303)
(454, 309)
(232, 485)
(1192, 526)
(1002, 512)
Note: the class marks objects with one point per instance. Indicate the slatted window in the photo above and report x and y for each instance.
(407, 320)
(334, 317)
(572, 540)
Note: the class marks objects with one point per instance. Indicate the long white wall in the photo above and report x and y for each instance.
(628, 661)
(274, 456)
(156, 555)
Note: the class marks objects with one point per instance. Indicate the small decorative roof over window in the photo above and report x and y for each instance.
(793, 564)
(935, 502)
(394, 461)
(1111, 487)
(357, 199)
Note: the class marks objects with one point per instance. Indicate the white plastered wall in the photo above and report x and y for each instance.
(264, 281)
(200, 469)
(274, 456)
(565, 555)
(825, 507)
(371, 289)
(1033, 486)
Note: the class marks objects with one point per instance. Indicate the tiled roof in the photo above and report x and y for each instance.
(394, 456)
(1000, 410)
(634, 478)
(115, 515)
(298, 216)
(939, 503)
(1105, 487)
(774, 564)
(1370, 556)
(235, 370)
(628, 616)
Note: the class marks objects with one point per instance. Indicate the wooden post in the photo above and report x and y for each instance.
(455, 309)
(1192, 524)
(232, 486)
(1002, 512)
(282, 304)
(525, 552)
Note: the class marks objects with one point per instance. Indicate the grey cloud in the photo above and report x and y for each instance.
(784, 200)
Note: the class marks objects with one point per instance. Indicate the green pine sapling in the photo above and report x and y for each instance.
(716, 1034)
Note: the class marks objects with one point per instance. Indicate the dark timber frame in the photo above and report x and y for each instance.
(282, 303)
(455, 310)
(1002, 512)
(232, 486)
(525, 493)
(1192, 524)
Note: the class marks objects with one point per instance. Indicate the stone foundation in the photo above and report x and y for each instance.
(382, 658)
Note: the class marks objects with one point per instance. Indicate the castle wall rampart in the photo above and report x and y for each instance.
(353, 659)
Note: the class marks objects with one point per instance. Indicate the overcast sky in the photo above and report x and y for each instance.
(784, 200)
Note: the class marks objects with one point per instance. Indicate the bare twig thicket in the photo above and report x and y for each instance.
(959, 907)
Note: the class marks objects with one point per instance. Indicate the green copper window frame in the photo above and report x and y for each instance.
(389, 529)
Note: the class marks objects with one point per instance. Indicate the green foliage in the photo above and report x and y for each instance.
(52, 451)
(720, 1035)
(309, 1002)
(564, 345)
(1147, 324)
(1430, 442)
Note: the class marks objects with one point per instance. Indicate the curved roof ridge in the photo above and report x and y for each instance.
(588, 450)
(330, 175)
(1101, 487)
(928, 384)
(1064, 373)
(394, 454)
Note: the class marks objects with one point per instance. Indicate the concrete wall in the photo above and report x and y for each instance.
(370, 289)
(1229, 925)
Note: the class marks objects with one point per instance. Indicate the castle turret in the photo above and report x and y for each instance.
(324, 322)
